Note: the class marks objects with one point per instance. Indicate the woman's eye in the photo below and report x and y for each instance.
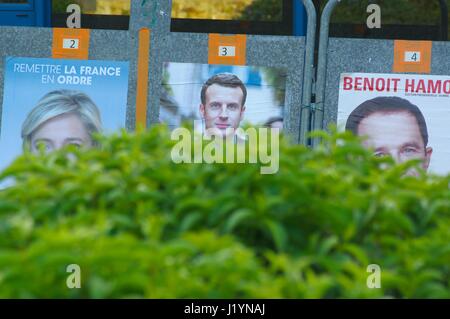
(44, 146)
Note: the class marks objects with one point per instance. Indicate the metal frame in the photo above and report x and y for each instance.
(318, 108)
(308, 71)
(295, 54)
(351, 61)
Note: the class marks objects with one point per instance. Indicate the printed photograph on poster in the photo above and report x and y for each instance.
(51, 103)
(222, 97)
(405, 116)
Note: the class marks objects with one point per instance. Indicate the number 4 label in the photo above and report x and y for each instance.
(227, 51)
(412, 56)
(71, 43)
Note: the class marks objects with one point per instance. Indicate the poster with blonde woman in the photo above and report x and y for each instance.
(51, 103)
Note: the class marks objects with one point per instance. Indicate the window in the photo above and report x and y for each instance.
(96, 14)
(254, 10)
(401, 19)
(273, 17)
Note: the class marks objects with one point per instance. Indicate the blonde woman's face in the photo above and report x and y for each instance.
(60, 131)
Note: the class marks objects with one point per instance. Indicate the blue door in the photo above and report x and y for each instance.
(25, 13)
(300, 19)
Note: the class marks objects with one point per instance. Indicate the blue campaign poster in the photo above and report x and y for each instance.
(29, 82)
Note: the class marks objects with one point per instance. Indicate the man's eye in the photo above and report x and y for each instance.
(76, 144)
(214, 106)
(409, 150)
(233, 107)
(379, 154)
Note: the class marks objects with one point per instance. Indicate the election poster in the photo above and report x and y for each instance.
(50, 103)
(405, 116)
(222, 96)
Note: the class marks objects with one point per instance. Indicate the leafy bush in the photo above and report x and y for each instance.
(140, 225)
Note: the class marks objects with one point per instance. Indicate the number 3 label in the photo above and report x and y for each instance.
(227, 51)
(71, 43)
(411, 56)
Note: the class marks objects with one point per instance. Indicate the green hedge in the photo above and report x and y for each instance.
(140, 225)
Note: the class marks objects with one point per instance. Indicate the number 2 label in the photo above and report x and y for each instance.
(71, 43)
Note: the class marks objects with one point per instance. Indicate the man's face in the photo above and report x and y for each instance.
(395, 134)
(60, 131)
(223, 108)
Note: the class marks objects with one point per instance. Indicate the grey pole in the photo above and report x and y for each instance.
(322, 64)
(309, 70)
